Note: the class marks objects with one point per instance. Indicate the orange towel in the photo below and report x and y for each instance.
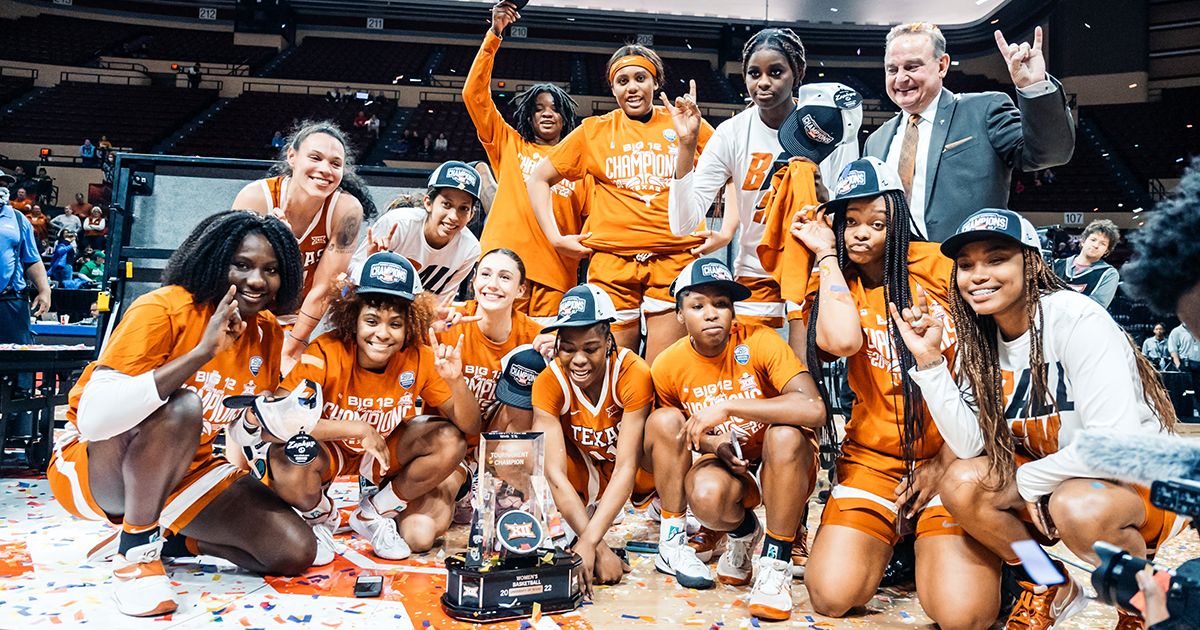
(787, 260)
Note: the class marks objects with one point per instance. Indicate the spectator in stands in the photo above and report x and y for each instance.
(80, 207)
(92, 269)
(361, 119)
(985, 134)
(1087, 272)
(541, 116)
(194, 75)
(62, 260)
(95, 229)
(1185, 353)
(22, 201)
(40, 223)
(105, 144)
(427, 145)
(1048, 176)
(373, 125)
(20, 267)
(87, 150)
(1156, 347)
(66, 221)
(277, 140)
(441, 145)
(402, 147)
(18, 179)
(93, 314)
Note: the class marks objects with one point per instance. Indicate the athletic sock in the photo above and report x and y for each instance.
(176, 546)
(386, 502)
(670, 528)
(777, 547)
(746, 527)
(666, 514)
(135, 536)
(319, 513)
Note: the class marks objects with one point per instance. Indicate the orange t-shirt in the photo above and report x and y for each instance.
(481, 356)
(165, 324)
(511, 222)
(590, 430)
(757, 363)
(381, 399)
(633, 164)
(874, 435)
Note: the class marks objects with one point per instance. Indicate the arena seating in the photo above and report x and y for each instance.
(134, 116)
(434, 117)
(1156, 140)
(187, 45)
(12, 87)
(354, 60)
(60, 40)
(244, 126)
(520, 64)
(1083, 184)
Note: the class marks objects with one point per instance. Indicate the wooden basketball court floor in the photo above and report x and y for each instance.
(45, 583)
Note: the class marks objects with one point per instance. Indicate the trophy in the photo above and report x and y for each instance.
(512, 563)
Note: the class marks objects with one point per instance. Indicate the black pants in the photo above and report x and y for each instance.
(14, 328)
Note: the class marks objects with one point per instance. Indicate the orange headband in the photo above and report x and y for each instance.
(631, 60)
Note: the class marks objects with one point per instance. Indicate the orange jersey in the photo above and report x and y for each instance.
(511, 222)
(481, 356)
(165, 324)
(874, 435)
(316, 236)
(590, 430)
(355, 394)
(633, 164)
(757, 363)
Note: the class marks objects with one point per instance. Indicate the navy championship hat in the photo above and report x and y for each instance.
(866, 177)
(827, 116)
(455, 174)
(992, 223)
(709, 271)
(518, 369)
(584, 305)
(388, 273)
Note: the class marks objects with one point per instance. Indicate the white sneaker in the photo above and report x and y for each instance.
(676, 558)
(381, 531)
(140, 586)
(105, 549)
(771, 595)
(653, 510)
(736, 565)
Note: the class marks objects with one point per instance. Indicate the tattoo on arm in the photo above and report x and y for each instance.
(347, 234)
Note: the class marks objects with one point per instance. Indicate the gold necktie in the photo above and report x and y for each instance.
(908, 154)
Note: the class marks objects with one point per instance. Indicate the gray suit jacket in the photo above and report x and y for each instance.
(978, 139)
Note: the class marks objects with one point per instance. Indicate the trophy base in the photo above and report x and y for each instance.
(511, 588)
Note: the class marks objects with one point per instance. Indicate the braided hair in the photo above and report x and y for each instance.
(782, 40)
(896, 290)
(525, 106)
(201, 264)
(979, 367)
(354, 185)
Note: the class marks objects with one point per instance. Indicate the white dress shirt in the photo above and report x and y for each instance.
(916, 205)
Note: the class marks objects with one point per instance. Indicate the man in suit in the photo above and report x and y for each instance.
(955, 152)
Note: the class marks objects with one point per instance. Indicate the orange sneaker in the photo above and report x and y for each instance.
(705, 542)
(800, 552)
(1043, 607)
(1129, 621)
(141, 587)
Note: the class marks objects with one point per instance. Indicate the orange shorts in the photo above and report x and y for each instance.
(68, 477)
(343, 460)
(752, 486)
(765, 305)
(1159, 526)
(540, 302)
(864, 499)
(637, 284)
(590, 479)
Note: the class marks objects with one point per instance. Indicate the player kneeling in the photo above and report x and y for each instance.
(370, 370)
(736, 394)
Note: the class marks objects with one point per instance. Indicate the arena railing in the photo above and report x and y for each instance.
(27, 73)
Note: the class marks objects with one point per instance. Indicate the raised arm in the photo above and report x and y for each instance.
(839, 331)
(477, 93)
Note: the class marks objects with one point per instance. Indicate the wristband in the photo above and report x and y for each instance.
(834, 255)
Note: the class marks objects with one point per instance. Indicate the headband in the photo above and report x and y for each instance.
(631, 60)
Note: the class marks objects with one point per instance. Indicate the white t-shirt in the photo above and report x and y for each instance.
(441, 270)
(1092, 374)
(745, 150)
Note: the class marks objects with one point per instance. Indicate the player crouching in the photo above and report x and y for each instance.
(369, 370)
(736, 394)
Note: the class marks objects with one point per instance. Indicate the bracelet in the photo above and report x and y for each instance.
(310, 316)
(834, 255)
(289, 335)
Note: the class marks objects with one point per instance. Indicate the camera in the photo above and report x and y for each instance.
(1115, 579)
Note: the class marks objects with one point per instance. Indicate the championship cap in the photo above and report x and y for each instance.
(584, 305)
(388, 273)
(992, 223)
(455, 174)
(865, 177)
(709, 270)
(518, 369)
(827, 116)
